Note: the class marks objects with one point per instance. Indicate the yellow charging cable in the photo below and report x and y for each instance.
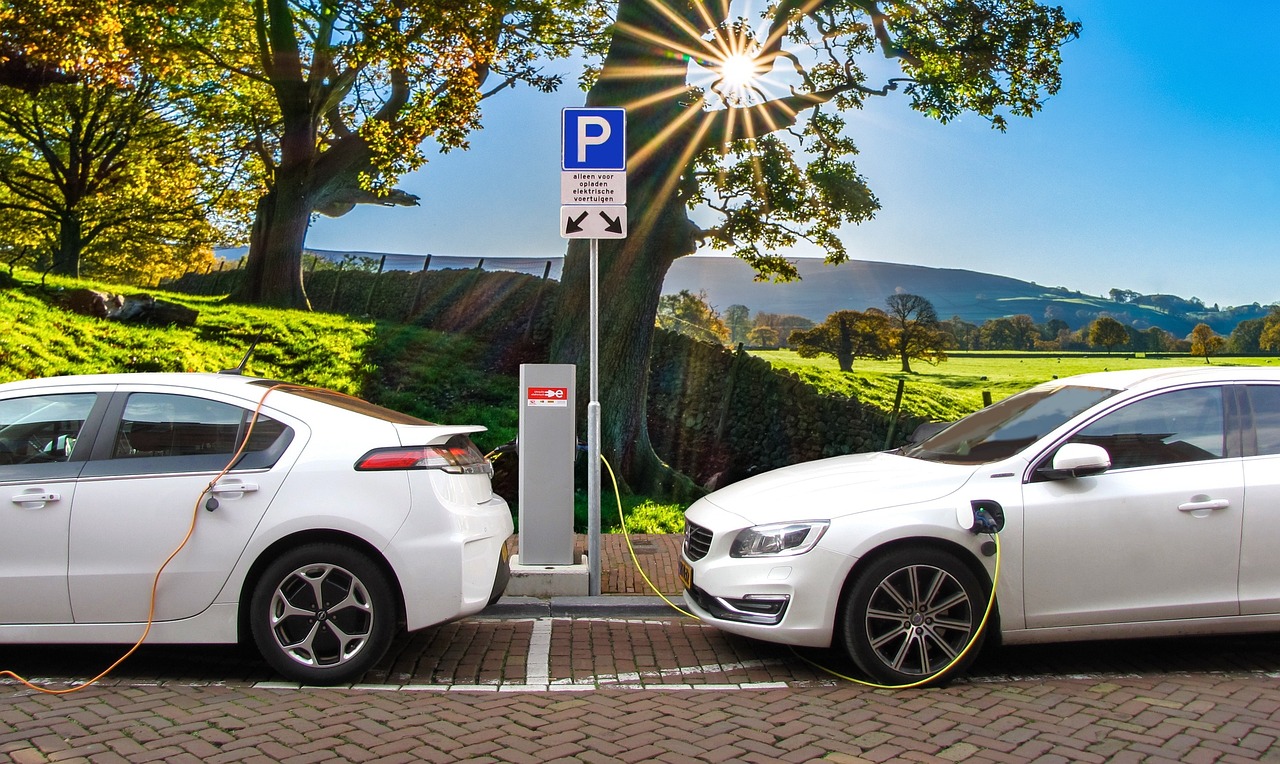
(982, 625)
(622, 518)
(155, 582)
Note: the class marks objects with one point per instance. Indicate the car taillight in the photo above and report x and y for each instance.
(458, 456)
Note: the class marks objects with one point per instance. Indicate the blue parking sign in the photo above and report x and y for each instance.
(594, 139)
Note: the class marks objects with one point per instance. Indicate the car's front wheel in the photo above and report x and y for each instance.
(322, 614)
(911, 615)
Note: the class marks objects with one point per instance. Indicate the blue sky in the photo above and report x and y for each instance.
(1156, 168)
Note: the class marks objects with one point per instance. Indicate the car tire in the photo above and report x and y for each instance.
(910, 614)
(322, 614)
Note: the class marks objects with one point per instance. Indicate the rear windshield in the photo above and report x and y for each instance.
(344, 401)
(1005, 428)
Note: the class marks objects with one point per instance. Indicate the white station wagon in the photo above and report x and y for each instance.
(1128, 504)
(337, 523)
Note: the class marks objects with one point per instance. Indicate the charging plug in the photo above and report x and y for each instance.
(988, 516)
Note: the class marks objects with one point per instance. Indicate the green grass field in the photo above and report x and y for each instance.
(954, 387)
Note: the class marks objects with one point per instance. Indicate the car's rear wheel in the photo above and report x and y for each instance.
(911, 615)
(322, 614)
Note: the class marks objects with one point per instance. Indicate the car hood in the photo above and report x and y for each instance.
(839, 486)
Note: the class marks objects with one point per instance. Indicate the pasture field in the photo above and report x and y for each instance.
(954, 387)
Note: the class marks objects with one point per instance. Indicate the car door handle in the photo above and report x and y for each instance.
(1196, 506)
(233, 488)
(32, 498)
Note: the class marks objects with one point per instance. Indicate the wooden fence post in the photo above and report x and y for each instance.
(368, 305)
(337, 282)
(893, 418)
(422, 281)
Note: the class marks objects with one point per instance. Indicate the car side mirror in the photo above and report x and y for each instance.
(926, 430)
(1075, 460)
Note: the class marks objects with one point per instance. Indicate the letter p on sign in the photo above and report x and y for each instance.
(585, 136)
(594, 140)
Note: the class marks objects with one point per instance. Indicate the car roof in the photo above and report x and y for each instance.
(199, 380)
(1146, 379)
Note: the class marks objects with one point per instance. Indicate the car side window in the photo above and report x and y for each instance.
(1180, 426)
(157, 424)
(39, 429)
(1264, 400)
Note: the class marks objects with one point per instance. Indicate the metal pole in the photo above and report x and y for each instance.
(593, 433)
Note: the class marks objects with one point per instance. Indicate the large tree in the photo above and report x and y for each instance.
(334, 99)
(770, 165)
(917, 332)
(691, 315)
(1107, 332)
(99, 175)
(846, 335)
(1206, 342)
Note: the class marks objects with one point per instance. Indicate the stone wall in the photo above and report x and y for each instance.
(719, 416)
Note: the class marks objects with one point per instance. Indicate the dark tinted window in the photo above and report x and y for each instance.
(1181, 426)
(1264, 400)
(42, 428)
(178, 425)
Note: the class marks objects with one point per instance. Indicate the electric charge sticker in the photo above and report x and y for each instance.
(547, 396)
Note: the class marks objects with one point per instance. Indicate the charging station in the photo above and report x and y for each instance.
(547, 446)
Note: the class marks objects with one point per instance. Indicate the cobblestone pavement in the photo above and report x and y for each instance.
(641, 690)
(523, 689)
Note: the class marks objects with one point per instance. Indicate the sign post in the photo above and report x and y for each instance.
(593, 198)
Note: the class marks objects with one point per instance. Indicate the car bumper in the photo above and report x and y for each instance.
(448, 573)
(786, 599)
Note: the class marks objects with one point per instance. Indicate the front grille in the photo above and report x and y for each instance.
(697, 541)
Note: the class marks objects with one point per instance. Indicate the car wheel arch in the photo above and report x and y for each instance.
(964, 555)
(302, 538)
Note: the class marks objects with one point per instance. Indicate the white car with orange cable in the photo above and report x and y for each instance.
(1128, 504)
(306, 521)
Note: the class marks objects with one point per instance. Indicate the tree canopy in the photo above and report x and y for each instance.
(689, 314)
(1108, 332)
(335, 99)
(917, 332)
(846, 335)
(1205, 342)
(767, 160)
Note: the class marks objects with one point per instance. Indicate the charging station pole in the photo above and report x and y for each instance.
(593, 432)
(593, 198)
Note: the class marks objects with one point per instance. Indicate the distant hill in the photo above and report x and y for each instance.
(974, 297)
(861, 284)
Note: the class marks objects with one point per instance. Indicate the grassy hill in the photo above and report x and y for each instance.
(974, 297)
(432, 375)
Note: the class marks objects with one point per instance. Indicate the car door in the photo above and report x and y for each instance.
(1259, 563)
(138, 495)
(42, 448)
(1155, 537)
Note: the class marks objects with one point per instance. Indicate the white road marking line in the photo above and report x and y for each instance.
(538, 663)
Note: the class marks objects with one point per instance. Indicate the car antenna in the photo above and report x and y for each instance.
(239, 368)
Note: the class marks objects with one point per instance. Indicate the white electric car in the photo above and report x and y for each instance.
(338, 523)
(1127, 504)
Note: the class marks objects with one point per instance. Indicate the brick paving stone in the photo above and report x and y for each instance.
(1185, 703)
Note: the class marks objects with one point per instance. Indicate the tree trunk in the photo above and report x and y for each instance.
(632, 269)
(66, 258)
(273, 272)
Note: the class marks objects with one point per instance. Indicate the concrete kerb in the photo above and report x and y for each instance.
(602, 606)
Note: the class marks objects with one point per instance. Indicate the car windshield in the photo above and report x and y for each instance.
(1005, 428)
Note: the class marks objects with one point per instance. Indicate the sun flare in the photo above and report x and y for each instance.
(738, 71)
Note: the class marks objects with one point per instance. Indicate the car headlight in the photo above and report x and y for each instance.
(778, 539)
